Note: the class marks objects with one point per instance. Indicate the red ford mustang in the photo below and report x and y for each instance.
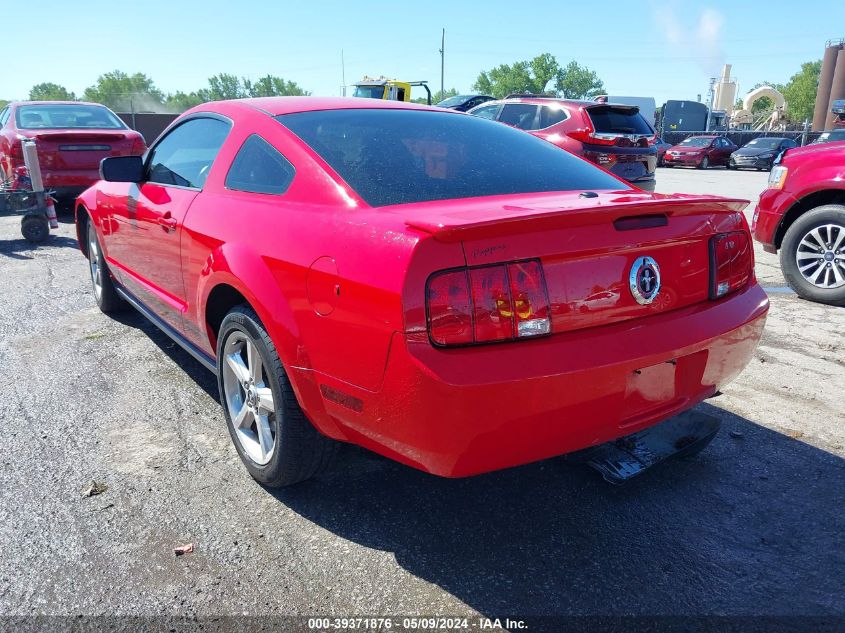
(444, 290)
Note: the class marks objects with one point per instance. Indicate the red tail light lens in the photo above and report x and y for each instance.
(138, 146)
(488, 303)
(731, 263)
(449, 309)
(492, 304)
(16, 149)
(530, 300)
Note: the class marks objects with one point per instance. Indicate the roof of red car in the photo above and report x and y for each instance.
(76, 103)
(288, 105)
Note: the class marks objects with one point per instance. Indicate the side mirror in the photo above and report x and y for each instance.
(122, 169)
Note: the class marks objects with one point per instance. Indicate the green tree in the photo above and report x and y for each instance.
(800, 92)
(578, 82)
(3, 103)
(228, 86)
(436, 97)
(271, 86)
(48, 91)
(179, 101)
(125, 93)
(537, 75)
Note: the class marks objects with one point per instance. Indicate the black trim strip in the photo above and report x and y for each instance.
(207, 361)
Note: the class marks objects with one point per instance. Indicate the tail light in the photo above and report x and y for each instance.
(138, 146)
(486, 304)
(16, 150)
(731, 263)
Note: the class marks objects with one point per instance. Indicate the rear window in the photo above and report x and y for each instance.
(61, 116)
(610, 119)
(403, 156)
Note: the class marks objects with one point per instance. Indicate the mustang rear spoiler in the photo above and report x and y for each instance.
(493, 220)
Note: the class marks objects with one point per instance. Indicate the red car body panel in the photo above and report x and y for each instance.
(692, 156)
(64, 170)
(341, 289)
(812, 170)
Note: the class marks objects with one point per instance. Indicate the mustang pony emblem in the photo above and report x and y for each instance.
(644, 280)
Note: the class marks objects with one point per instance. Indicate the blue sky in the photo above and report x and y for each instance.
(662, 49)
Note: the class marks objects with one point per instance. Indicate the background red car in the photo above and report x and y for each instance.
(802, 214)
(700, 151)
(72, 138)
(444, 290)
(613, 136)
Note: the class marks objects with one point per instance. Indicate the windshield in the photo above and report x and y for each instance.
(765, 143)
(696, 141)
(369, 92)
(402, 156)
(63, 116)
(453, 101)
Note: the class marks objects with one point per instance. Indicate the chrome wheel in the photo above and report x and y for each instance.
(249, 399)
(821, 256)
(94, 262)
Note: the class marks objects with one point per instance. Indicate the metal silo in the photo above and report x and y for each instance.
(822, 109)
(837, 88)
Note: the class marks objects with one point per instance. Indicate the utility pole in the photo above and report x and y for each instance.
(343, 74)
(442, 62)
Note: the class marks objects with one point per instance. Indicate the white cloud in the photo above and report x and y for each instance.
(701, 35)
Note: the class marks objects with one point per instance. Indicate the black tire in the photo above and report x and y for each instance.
(731, 166)
(35, 228)
(105, 294)
(704, 164)
(828, 214)
(300, 451)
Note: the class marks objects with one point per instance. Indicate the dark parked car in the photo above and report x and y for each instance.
(462, 103)
(662, 147)
(831, 135)
(613, 136)
(760, 153)
(700, 151)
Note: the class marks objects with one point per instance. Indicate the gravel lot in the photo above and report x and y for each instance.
(755, 525)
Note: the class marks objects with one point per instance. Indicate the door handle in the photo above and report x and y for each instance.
(167, 221)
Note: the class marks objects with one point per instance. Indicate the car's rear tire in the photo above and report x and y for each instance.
(704, 164)
(102, 285)
(812, 255)
(276, 442)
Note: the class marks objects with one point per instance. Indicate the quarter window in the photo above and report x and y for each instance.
(4, 116)
(521, 115)
(184, 157)
(259, 168)
(550, 116)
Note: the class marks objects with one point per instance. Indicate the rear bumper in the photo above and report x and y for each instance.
(466, 411)
(70, 183)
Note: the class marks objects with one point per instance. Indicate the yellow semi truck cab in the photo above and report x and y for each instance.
(390, 89)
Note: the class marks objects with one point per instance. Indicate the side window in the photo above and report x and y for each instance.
(487, 112)
(259, 168)
(184, 157)
(550, 116)
(4, 116)
(521, 115)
